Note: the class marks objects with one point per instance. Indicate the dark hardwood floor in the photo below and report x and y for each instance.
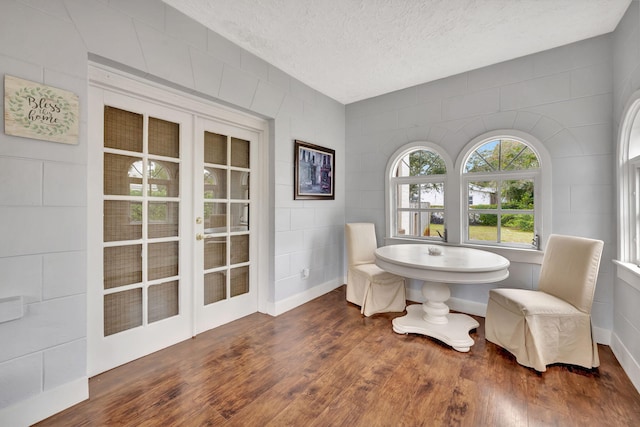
(323, 364)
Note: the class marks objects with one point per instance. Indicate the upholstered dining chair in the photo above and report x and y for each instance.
(368, 286)
(551, 324)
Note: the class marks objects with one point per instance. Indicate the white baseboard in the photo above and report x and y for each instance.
(628, 363)
(277, 308)
(44, 405)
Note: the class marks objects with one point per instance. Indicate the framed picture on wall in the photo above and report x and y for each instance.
(314, 172)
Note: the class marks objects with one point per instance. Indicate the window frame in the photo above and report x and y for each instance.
(628, 158)
(392, 182)
(542, 186)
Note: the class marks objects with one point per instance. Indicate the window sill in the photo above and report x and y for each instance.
(527, 256)
(628, 272)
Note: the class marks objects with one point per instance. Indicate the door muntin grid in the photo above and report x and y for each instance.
(226, 206)
(141, 202)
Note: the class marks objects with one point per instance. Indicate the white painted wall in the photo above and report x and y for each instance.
(625, 340)
(43, 185)
(563, 97)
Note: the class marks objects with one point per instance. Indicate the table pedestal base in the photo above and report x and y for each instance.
(455, 332)
(433, 319)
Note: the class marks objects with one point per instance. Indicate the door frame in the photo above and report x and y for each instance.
(119, 82)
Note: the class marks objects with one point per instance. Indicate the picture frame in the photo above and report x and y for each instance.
(314, 172)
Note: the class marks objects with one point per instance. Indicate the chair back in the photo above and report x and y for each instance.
(570, 269)
(361, 243)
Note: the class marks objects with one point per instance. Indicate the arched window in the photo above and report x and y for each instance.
(629, 183)
(501, 176)
(416, 178)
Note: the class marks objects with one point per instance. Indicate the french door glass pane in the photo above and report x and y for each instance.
(163, 260)
(239, 153)
(239, 185)
(164, 138)
(239, 216)
(122, 176)
(215, 217)
(122, 311)
(239, 281)
(215, 287)
(122, 265)
(215, 148)
(122, 129)
(163, 179)
(163, 301)
(163, 219)
(215, 183)
(215, 252)
(122, 220)
(239, 249)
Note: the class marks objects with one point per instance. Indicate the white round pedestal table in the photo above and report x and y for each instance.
(437, 268)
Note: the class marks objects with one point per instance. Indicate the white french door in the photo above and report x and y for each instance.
(172, 219)
(225, 273)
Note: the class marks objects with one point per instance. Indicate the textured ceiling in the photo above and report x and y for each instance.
(356, 49)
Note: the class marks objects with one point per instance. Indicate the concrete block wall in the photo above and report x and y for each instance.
(43, 185)
(563, 97)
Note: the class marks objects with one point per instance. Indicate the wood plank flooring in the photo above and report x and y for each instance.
(324, 364)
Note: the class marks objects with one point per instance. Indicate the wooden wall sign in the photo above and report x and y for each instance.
(32, 110)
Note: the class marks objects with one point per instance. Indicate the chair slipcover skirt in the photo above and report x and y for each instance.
(369, 286)
(375, 290)
(540, 329)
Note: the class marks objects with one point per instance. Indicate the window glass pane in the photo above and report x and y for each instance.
(502, 155)
(432, 195)
(413, 223)
(163, 219)
(215, 148)
(483, 226)
(215, 183)
(421, 162)
(435, 228)
(517, 194)
(408, 195)
(164, 138)
(122, 220)
(483, 195)
(239, 153)
(122, 129)
(516, 228)
(517, 156)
